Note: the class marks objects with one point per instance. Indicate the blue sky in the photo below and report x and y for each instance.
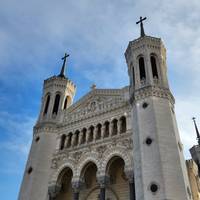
(34, 36)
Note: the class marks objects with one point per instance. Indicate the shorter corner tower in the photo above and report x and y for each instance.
(58, 94)
(159, 166)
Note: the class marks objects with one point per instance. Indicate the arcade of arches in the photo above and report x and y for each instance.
(113, 186)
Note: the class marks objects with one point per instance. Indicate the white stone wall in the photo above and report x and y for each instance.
(35, 184)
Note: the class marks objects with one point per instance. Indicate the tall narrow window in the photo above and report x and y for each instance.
(142, 68)
(65, 104)
(133, 76)
(107, 124)
(69, 141)
(99, 126)
(84, 136)
(91, 134)
(154, 67)
(56, 104)
(62, 142)
(47, 105)
(114, 128)
(123, 124)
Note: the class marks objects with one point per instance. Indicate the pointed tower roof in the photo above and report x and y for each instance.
(62, 72)
(196, 129)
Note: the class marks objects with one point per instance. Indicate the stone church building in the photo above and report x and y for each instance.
(112, 144)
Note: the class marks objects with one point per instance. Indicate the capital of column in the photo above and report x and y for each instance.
(76, 186)
(129, 175)
(103, 181)
(54, 190)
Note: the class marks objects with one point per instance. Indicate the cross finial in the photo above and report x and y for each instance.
(197, 131)
(62, 72)
(142, 33)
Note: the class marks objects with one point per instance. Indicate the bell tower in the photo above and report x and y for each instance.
(58, 93)
(159, 166)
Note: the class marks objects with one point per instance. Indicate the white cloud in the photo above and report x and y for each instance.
(17, 131)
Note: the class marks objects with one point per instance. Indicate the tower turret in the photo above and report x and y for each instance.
(58, 93)
(159, 165)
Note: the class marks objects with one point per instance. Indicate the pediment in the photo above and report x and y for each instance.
(96, 101)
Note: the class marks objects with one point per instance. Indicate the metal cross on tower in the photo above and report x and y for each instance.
(62, 72)
(142, 33)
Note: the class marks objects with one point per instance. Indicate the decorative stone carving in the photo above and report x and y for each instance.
(54, 163)
(103, 181)
(53, 191)
(94, 105)
(77, 156)
(101, 150)
(128, 143)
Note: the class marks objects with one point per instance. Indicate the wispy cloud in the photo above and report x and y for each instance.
(16, 133)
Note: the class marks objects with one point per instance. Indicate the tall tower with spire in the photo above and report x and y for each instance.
(159, 166)
(195, 150)
(58, 93)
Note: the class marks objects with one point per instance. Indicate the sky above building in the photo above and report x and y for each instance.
(34, 35)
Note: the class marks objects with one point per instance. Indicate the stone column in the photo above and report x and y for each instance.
(110, 129)
(53, 191)
(80, 137)
(87, 135)
(103, 181)
(76, 190)
(118, 127)
(103, 129)
(130, 177)
(73, 139)
(95, 132)
(66, 141)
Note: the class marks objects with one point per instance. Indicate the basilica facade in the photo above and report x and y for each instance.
(112, 144)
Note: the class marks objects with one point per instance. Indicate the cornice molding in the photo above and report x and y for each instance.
(150, 91)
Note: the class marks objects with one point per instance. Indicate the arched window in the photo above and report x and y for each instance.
(91, 134)
(154, 67)
(47, 105)
(65, 104)
(83, 136)
(56, 104)
(106, 134)
(99, 126)
(76, 138)
(142, 68)
(114, 128)
(62, 142)
(123, 124)
(69, 142)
